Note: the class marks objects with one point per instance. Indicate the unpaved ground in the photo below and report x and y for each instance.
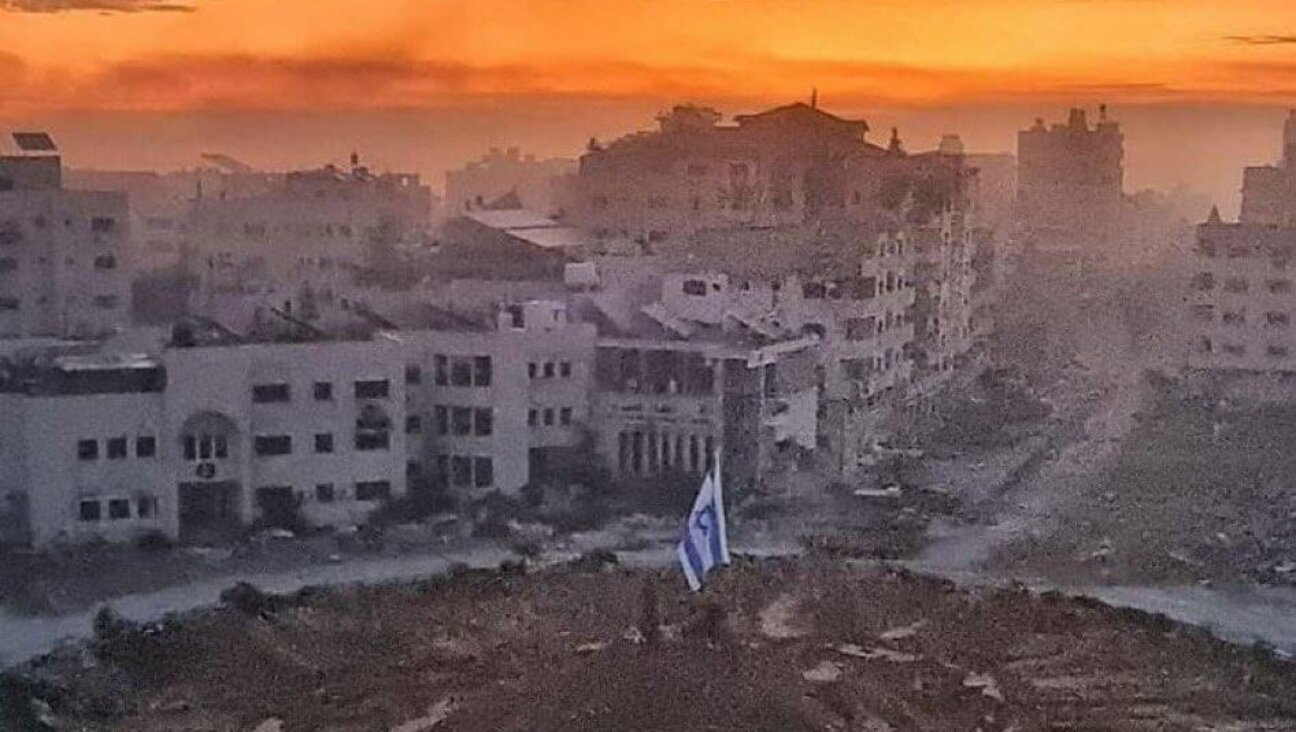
(1195, 493)
(770, 645)
(73, 579)
(1143, 484)
(22, 637)
(1033, 497)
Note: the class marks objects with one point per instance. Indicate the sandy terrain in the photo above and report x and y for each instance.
(771, 645)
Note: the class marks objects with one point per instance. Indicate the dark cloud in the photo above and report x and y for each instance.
(366, 81)
(11, 63)
(251, 82)
(1262, 40)
(102, 6)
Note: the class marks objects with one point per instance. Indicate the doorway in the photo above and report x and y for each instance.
(209, 512)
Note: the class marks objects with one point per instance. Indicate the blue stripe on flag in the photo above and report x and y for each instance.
(694, 583)
(702, 544)
(713, 535)
(694, 559)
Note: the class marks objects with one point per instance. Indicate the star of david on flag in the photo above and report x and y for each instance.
(705, 541)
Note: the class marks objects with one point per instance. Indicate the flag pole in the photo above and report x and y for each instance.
(720, 511)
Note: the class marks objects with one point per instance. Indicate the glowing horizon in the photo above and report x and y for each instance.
(150, 55)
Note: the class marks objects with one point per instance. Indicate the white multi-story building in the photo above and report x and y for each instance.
(499, 404)
(1242, 298)
(215, 432)
(312, 426)
(861, 320)
(64, 260)
(80, 451)
(201, 439)
(1241, 283)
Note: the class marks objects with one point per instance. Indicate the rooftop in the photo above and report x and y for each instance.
(28, 144)
(653, 323)
(512, 219)
(50, 374)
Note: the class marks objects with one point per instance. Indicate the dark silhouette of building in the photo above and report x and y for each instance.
(1070, 180)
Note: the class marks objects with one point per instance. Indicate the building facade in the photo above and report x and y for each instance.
(64, 254)
(260, 231)
(1241, 299)
(1269, 191)
(1070, 186)
(203, 439)
(1241, 286)
(497, 405)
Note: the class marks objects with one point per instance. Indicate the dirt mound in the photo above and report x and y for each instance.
(569, 650)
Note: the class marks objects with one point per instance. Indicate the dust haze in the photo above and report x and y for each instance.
(685, 406)
(1196, 147)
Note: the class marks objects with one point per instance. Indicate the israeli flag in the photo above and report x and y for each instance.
(705, 542)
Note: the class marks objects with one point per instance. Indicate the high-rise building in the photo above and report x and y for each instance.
(1241, 291)
(1269, 191)
(875, 240)
(63, 254)
(1070, 180)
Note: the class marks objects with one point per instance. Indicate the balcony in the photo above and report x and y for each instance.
(659, 407)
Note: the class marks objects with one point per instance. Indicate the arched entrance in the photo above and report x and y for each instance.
(209, 489)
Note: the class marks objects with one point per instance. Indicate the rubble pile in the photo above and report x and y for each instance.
(768, 645)
(1200, 492)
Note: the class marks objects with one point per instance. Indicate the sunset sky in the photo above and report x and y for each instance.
(201, 59)
(184, 54)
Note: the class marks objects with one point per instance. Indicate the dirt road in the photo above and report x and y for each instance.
(22, 637)
(1047, 524)
(1034, 499)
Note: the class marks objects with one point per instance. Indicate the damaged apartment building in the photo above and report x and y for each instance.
(215, 430)
(815, 228)
(1241, 291)
(1071, 202)
(253, 233)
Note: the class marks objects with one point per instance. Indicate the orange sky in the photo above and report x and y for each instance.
(384, 54)
(1198, 85)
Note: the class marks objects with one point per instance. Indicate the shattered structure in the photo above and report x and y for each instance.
(875, 245)
(811, 294)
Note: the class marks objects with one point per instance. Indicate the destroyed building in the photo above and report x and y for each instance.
(797, 195)
(505, 174)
